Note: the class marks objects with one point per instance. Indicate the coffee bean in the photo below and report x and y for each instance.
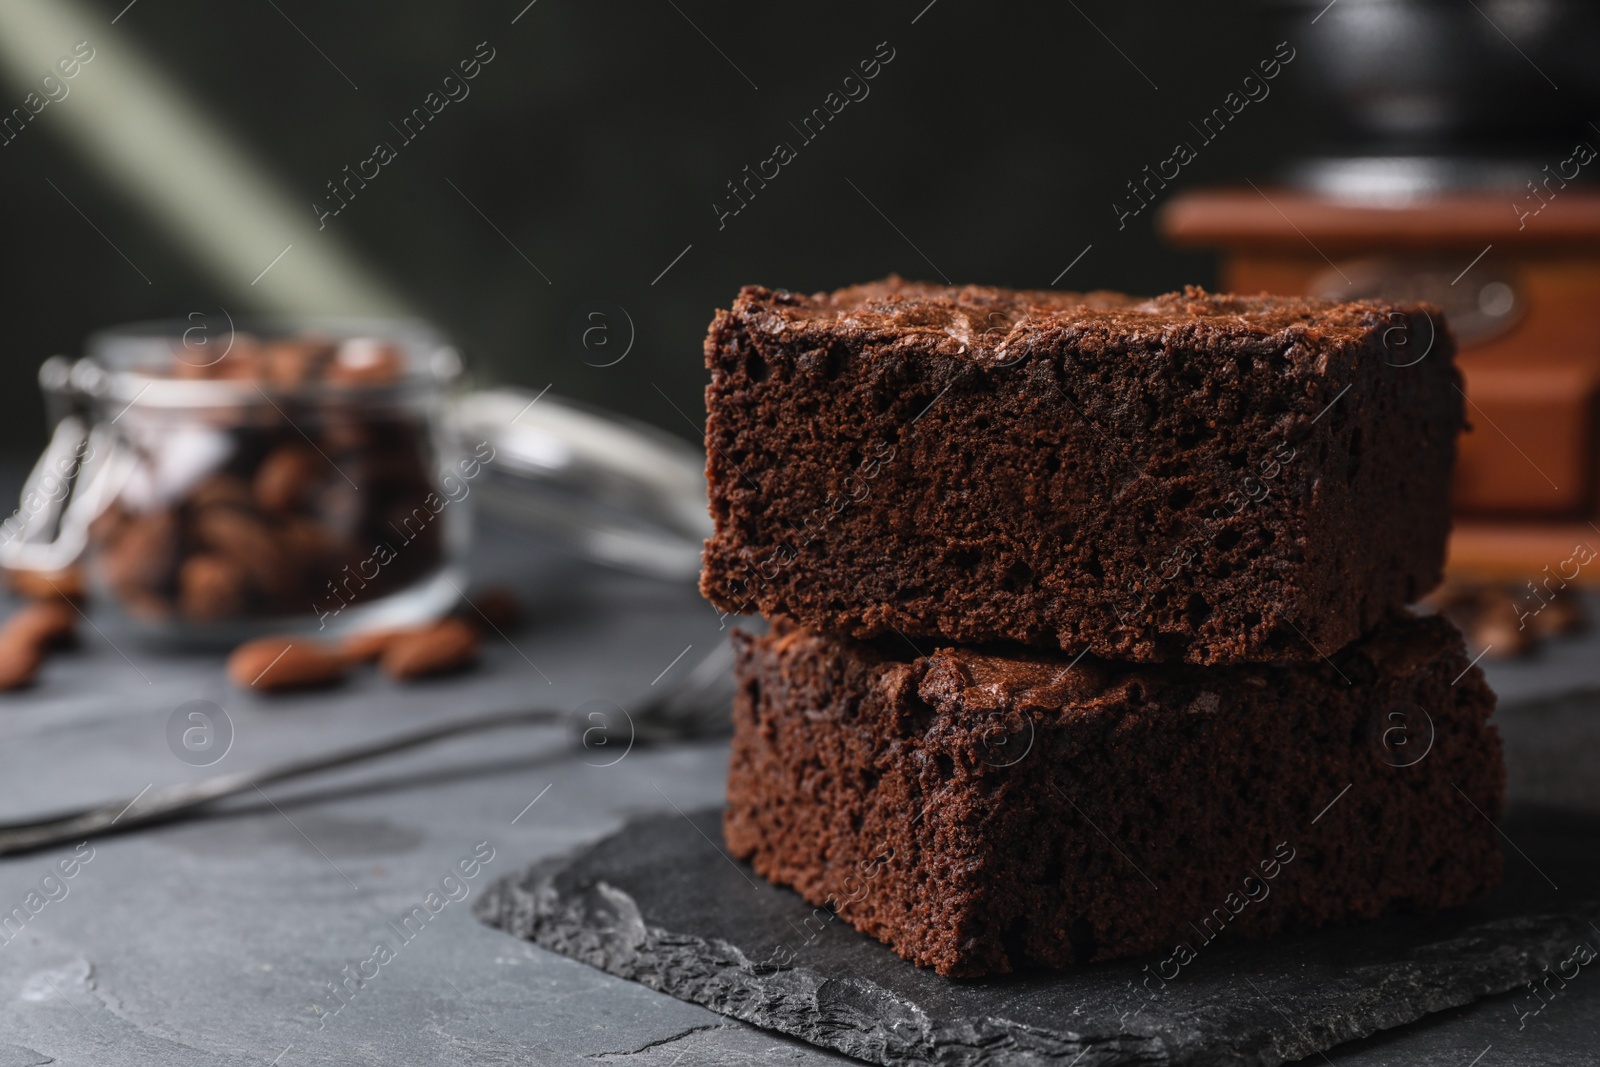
(143, 554)
(313, 548)
(288, 478)
(28, 633)
(279, 664)
(211, 587)
(447, 645)
(19, 663)
(340, 508)
(44, 624)
(244, 539)
(221, 489)
(345, 434)
(369, 646)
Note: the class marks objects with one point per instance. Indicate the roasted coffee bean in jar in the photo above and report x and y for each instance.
(288, 475)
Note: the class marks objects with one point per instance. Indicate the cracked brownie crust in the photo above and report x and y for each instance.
(987, 813)
(1195, 477)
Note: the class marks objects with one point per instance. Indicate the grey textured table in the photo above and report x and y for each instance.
(220, 940)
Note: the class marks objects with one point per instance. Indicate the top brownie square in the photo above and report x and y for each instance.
(1195, 477)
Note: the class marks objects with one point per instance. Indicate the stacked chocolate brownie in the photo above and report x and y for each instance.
(1089, 631)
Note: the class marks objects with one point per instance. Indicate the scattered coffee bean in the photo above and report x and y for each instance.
(45, 623)
(446, 646)
(368, 647)
(279, 664)
(19, 663)
(28, 634)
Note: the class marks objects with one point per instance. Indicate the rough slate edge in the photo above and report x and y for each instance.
(621, 905)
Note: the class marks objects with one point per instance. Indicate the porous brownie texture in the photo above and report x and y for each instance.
(984, 813)
(1193, 477)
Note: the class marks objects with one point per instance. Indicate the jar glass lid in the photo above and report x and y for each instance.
(215, 360)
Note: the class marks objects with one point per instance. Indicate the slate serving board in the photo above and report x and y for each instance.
(660, 903)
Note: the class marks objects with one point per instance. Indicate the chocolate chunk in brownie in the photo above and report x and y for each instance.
(985, 813)
(1193, 477)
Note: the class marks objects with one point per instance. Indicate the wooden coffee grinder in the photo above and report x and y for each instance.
(1455, 174)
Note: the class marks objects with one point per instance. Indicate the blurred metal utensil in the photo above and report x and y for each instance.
(695, 707)
(598, 485)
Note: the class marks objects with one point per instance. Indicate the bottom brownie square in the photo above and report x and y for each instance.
(984, 813)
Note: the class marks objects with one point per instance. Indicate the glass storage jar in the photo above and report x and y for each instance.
(292, 476)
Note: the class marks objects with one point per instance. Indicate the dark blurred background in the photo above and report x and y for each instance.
(585, 163)
(596, 142)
